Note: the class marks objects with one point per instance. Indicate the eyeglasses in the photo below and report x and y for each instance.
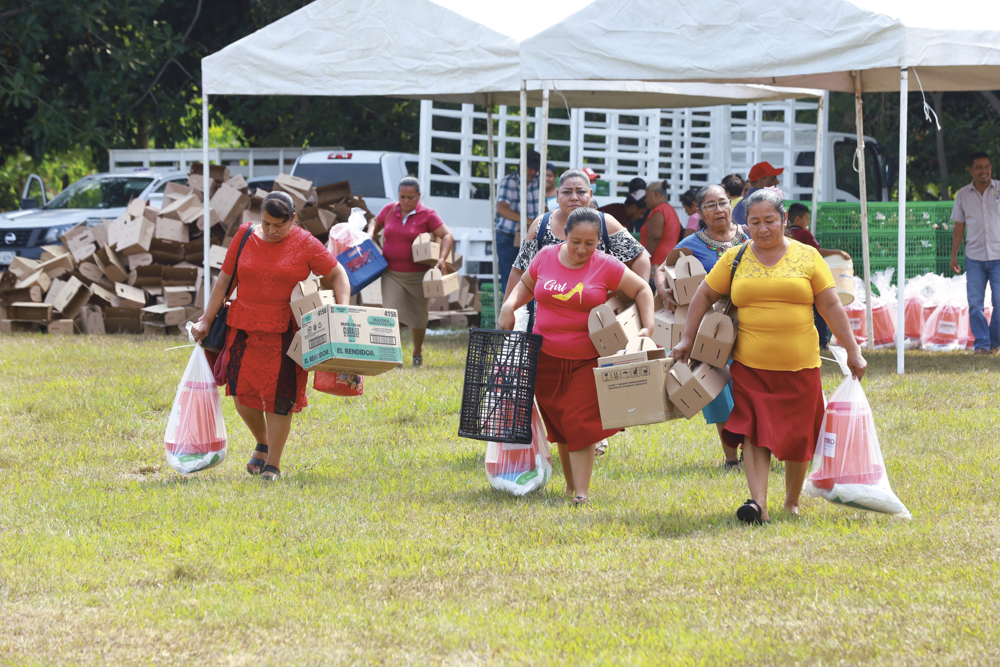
(714, 206)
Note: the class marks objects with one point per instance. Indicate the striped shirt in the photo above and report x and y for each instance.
(509, 190)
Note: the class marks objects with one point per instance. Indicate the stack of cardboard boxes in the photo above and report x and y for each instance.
(637, 383)
(142, 272)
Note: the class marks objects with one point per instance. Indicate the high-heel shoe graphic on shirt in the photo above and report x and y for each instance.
(570, 294)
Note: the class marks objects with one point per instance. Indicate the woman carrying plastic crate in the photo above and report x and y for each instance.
(567, 281)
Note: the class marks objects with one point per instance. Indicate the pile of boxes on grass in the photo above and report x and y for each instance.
(454, 299)
(142, 272)
(636, 381)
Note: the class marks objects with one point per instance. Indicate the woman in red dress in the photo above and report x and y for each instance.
(267, 386)
(567, 281)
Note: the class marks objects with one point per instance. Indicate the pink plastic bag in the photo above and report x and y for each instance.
(520, 469)
(196, 431)
(348, 234)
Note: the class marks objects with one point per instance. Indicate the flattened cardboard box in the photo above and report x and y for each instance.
(351, 339)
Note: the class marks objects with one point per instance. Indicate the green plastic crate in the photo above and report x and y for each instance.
(487, 319)
(846, 216)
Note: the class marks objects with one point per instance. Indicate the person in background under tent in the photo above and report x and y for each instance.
(662, 230)
(734, 184)
(977, 211)
(689, 200)
(632, 213)
(798, 228)
(508, 216)
(762, 175)
(551, 201)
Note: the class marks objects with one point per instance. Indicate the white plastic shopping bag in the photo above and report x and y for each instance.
(520, 469)
(196, 432)
(848, 467)
(348, 234)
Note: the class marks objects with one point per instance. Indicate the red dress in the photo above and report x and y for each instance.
(261, 326)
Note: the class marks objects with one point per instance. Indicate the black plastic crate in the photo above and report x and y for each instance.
(499, 388)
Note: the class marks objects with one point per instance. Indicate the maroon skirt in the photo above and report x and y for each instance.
(781, 411)
(567, 398)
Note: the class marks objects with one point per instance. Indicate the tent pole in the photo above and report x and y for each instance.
(493, 208)
(206, 210)
(863, 192)
(901, 277)
(524, 159)
(817, 165)
(545, 146)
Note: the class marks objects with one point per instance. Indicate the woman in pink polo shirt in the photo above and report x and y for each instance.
(402, 282)
(567, 281)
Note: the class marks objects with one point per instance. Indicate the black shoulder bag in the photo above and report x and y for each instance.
(216, 338)
(732, 275)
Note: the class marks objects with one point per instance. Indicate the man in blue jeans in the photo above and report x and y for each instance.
(508, 217)
(977, 211)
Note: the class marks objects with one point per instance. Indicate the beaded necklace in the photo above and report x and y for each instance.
(720, 247)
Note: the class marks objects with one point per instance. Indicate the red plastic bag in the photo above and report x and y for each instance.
(520, 469)
(339, 384)
(848, 467)
(196, 431)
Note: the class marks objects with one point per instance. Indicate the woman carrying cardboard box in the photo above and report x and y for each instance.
(568, 280)
(716, 236)
(403, 280)
(776, 359)
(267, 386)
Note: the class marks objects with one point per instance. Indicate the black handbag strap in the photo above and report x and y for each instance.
(732, 275)
(232, 283)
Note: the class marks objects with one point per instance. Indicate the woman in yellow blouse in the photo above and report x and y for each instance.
(776, 359)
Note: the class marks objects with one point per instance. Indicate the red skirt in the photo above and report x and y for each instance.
(567, 398)
(262, 375)
(781, 411)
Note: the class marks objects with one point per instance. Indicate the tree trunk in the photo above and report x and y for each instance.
(142, 132)
(942, 159)
(993, 100)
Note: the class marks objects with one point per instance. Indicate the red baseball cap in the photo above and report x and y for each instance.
(762, 169)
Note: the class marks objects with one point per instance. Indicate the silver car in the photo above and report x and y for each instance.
(24, 232)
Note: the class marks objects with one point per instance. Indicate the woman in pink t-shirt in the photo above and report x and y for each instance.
(567, 281)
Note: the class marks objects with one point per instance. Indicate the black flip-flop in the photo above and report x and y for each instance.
(579, 500)
(731, 464)
(749, 512)
(270, 470)
(255, 462)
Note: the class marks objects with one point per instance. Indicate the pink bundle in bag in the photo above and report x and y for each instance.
(520, 469)
(884, 310)
(339, 384)
(348, 234)
(196, 431)
(848, 468)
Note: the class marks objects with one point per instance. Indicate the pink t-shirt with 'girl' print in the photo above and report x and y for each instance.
(565, 298)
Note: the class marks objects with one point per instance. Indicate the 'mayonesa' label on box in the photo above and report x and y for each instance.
(351, 339)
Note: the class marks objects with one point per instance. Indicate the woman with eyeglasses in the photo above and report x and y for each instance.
(717, 235)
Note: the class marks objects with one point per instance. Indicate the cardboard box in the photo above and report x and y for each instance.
(162, 314)
(29, 311)
(372, 294)
(33, 293)
(176, 209)
(426, 250)
(436, 284)
(89, 271)
(684, 274)
(715, 340)
(669, 326)
(171, 230)
(50, 296)
(175, 190)
(80, 241)
(217, 172)
(22, 267)
(111, 265)
(305, 288)
(351, 339)
(12, 327)
(53, 251)
(237, 182)
(147, 276)
(173, 276)
(295, 349)
(178, 296)
(631, 386)
(196, 181)
(101, 296)
(299, 184)
(364, 265)
(438, 303)
(228, 203)
(39, 278)
(134, 236)
(313, 222)
(166, 252)
(330, 195)
(611, 325)
(130, 297)
(122, 320)
(62, 328)
(140, 259)
(72, 298)
(311, 302)
(58, 266)
(691, 389)
(92, 320)
(217, 256)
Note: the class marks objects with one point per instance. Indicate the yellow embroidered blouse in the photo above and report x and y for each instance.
(776, 330)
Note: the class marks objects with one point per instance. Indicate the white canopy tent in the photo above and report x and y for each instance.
(423, 50)
(860, 46)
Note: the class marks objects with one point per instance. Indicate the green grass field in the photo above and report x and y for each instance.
(384, 544)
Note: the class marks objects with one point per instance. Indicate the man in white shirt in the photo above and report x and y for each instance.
(977, 211)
